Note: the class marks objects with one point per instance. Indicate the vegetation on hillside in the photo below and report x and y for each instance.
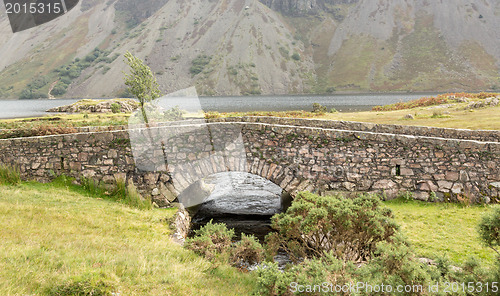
(58, 80)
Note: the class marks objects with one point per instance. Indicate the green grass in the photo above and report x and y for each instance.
(57, 237)
(66, 121)
(54, 236)
(442, 229)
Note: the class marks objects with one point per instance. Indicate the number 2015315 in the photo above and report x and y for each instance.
(33, 8)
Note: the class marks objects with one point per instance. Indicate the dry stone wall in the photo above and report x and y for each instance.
(317, 157)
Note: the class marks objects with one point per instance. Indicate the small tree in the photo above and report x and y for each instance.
(141, 82)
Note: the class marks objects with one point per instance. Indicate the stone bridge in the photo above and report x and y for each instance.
(296, 154)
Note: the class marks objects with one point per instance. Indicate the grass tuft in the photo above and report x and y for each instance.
(86, 285)
(9, 175)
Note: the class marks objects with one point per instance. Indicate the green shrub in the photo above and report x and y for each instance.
(211, 240)
(284, 52)
(395, 264)
(116, 108)
(60, 88)
(313, 225)
(330, 90)
(173, 114)
(272, 281)
(247, 250)
(310, 272)
(489, 228)
(30, 94)
(9, 175)
(296, 56)
(199, 63)
(38, 82)
(318, 108)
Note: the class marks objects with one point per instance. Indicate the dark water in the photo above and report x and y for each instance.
(242, 201)
(343, 103)
(245, 203)
(355, 102)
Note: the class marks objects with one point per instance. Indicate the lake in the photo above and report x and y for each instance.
(343, 103)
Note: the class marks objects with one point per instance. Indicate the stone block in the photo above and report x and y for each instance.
(353, 177)
(349, 186)
(150, 178)
(365, 184)
(421, 195)
(385, 185)
(426, 186)
(75, 166)
(451, 176)
(108, 179)
(438, 177)
(445, 186)
(457, 188)
(464, 177)
(407, 172)
(120, 177)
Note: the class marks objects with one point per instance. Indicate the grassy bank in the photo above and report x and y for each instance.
(452, 116)
(54, 237)
(442, 229)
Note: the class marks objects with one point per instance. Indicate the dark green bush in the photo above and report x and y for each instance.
(330, 90)
(199, 63)
(38, 83)
(211, 240)
(395, 264)
(272, 281)
(29, 94)
(296, 56)
(318, 108)
(173, 114)
(115, 108)
(60, 88)
(247, 250)
(311, 272)
(489, 228)
(350, 228)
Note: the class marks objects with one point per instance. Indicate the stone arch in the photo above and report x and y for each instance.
(282, 176)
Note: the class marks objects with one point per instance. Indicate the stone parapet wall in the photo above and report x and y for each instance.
(292, 156)
(463, 134)
(340, 160)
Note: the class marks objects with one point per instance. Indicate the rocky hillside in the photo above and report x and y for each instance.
(233, 47)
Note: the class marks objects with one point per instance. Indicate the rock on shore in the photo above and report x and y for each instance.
(98, 106)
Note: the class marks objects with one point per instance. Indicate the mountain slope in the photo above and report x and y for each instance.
(233, 47)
